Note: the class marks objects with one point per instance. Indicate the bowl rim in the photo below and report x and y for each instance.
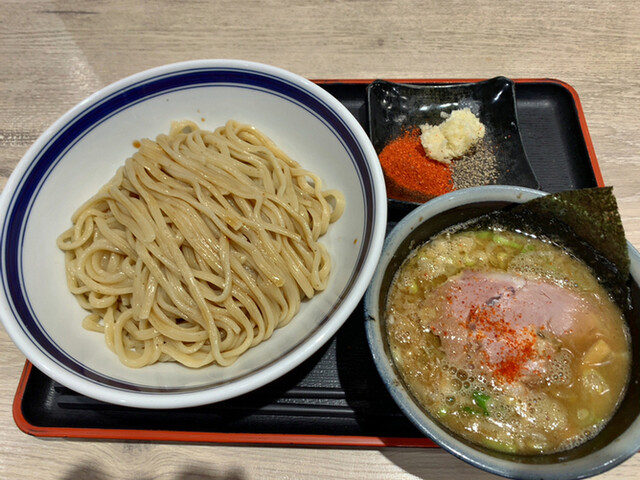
(592, 464)
(276, 369)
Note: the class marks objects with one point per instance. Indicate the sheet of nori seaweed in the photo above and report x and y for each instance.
(586, 222)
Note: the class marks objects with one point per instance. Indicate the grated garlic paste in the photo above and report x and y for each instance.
(452, 138)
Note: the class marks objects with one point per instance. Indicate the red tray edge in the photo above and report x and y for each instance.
(276, 439)
(282, 439)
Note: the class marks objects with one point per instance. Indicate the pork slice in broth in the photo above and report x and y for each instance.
(500, 317)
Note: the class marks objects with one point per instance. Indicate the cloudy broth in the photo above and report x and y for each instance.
(508, 341)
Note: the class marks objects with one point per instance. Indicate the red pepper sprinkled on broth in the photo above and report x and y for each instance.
(517, 347)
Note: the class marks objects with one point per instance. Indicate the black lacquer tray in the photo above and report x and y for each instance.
(335, 397)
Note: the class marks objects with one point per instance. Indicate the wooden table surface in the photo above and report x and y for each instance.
(53, 54)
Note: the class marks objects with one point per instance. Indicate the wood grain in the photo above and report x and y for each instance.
(53, 54)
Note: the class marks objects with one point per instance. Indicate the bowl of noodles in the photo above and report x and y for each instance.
(189, 234)
(504, 323)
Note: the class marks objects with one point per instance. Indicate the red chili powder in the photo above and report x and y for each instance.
(517, 346)
(410, 174)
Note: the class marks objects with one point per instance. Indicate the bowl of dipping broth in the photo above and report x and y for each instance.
(501, 346)
(189, 234)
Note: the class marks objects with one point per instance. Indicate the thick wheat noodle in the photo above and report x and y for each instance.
(199, 247)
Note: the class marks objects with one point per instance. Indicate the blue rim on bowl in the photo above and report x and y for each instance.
(617, 442)
(39, 167)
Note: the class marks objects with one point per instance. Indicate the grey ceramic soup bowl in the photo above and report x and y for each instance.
(620, 438)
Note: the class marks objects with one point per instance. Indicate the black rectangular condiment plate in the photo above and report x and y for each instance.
(336, 396)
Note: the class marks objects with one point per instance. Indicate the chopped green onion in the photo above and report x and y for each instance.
(484, 234)
(472, 410)
(505, 242)
(481, 400)
(500, 446)
(413, 288)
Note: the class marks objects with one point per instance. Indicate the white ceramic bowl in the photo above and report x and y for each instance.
(83, 149)
(615, 443)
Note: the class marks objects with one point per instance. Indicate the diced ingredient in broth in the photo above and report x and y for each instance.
(508, 340)
(452, 138)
